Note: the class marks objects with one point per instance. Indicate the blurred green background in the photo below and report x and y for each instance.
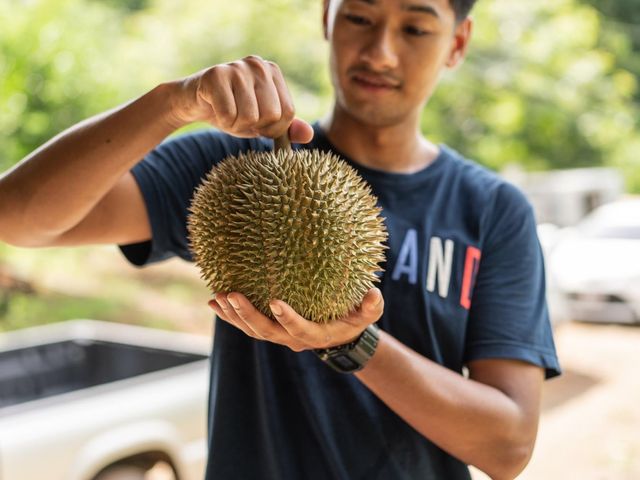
(547, 84)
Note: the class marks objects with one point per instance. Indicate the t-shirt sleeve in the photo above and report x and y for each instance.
(168, 177)
(508, 317)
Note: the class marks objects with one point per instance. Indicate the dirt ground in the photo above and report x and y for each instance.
(590, 425)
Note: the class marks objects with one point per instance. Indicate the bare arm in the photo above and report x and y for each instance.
(489, 420)
(54, 188)
(77, 187)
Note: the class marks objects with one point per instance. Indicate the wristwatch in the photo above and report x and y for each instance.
(351, 357)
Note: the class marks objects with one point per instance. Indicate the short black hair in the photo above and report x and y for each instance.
(462, 8)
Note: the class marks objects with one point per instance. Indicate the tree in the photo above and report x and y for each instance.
(543, 86)
(547, 84)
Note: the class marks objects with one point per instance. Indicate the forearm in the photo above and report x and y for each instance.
(472, 421)
(52, 190)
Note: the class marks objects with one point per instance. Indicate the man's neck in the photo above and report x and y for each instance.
(399, 148)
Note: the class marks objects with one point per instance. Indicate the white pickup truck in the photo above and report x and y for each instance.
(89, 400)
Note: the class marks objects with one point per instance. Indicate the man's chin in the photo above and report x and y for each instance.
(370, 113)
(377, 118)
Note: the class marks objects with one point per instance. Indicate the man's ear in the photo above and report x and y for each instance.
(325, 18)
(461, 38)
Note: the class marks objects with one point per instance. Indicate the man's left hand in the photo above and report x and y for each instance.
(292, 330)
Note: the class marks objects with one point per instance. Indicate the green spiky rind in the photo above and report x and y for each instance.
(299, 226)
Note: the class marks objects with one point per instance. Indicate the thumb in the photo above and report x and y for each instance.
(373, 302)
(300, 131)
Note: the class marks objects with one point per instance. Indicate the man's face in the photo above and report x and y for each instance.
(387, 55)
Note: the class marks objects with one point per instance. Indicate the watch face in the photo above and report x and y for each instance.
(344, 362)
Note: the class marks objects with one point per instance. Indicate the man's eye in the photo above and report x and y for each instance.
(418, 32)
(357, 19)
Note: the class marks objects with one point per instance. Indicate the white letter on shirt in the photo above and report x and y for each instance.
(440, 262)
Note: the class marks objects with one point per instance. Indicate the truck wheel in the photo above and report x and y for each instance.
(122, 472)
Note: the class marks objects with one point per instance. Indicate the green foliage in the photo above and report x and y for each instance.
(126, 5)
(547, 84)
(50, 72)
(621, 15)
(51, 285)
(22, 310)
(544, 85)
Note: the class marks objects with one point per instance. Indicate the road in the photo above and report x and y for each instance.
(590, 424)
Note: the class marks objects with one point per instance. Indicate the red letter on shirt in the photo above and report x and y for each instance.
(471, 264)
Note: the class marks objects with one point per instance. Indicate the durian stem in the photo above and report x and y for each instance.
(282, 143)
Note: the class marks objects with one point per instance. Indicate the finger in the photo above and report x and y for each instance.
(242, 87)
(300, 131)
(270, 110)
(313, 334)
(263, 327)
(229, 316)
(303, 330)
(372, 306)
(369, 311)
(284, 95)
(244, 307)
(215, 89)
(216, 306)
(372, 301)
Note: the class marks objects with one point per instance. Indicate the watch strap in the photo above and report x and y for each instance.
(353, 356)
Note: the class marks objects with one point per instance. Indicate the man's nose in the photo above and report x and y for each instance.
(380, 51)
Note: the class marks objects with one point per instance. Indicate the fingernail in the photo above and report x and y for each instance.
(378, 298)
(275, 308)
(233, 301)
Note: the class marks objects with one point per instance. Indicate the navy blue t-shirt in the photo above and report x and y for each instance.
(463, 280)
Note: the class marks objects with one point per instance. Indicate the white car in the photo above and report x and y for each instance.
(595, 266)
(89, 400)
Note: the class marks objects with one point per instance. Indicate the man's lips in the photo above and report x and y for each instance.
(375, 81)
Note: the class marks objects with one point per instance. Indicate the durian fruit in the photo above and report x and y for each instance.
(300, 226)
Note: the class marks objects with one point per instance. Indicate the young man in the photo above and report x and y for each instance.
(463, 283)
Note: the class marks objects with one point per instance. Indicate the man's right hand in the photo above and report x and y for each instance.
(245, 98)
(78, 189)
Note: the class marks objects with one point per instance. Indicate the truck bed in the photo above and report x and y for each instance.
(44, 370)
(45, 361)
(83, 396)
